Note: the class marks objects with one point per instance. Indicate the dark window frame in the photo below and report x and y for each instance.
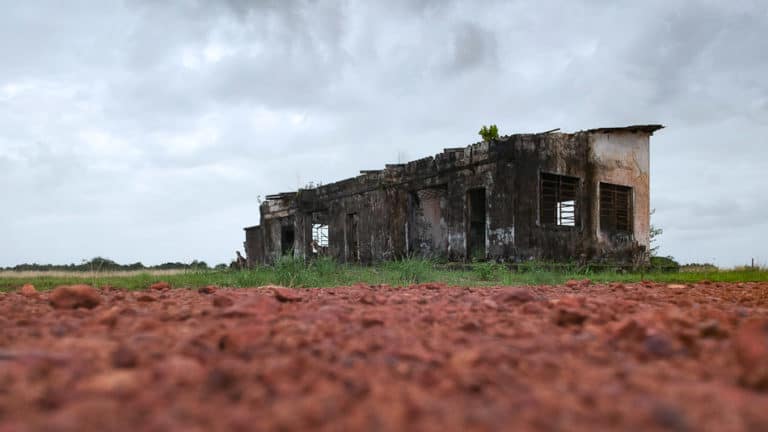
(616, 208)
(559, 201)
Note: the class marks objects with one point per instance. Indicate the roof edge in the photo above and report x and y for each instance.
(649, 128)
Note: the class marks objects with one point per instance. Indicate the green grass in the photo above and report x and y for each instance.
(327, 273)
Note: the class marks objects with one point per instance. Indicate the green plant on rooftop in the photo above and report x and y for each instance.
(489, 133)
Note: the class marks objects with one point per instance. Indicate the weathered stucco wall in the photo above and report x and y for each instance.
(624, 159)
(483, 199)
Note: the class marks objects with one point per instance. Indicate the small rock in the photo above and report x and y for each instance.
(160, 286)
(210, 289)
(578, 283)
(490, 304)
(397, 299)
(61, 329)
(570, 301)
(122, 381)
(631, 330)
(566, 317)
(470, 327)
(286, 294)
(109, 316)
(74, 296)
(659, 345)
(28, 290)
(572, 283)
(222, 301)
(514, 295)
(124, 358)
(532, 308)
(180, 370)
(220, 378)
(465, 359)
(371, 322)
(751, 345)
(368, 298)
(145, 298)
(239, 339)
(260, 307)
(670, 417)
(183, 314)
(676, 286)
(712, 329)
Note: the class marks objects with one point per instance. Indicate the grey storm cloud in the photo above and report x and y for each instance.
(147, 130)
(473, 47)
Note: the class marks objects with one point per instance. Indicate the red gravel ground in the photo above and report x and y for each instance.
(428, 357)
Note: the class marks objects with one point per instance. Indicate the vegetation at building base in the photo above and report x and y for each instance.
(327, 273)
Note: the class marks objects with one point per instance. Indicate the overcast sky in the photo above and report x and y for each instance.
(146, 130)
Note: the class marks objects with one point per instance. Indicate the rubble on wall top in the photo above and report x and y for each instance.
(281, 195)
(421, 161)
(460, 153)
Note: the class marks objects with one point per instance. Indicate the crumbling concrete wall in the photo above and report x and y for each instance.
(485, 198)
(427, 234)
(254, 245)
(561, 154)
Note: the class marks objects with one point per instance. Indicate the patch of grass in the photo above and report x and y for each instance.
(410, 271)
(487, 271)
(327, 273)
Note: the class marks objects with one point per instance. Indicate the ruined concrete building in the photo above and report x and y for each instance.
(551, 196)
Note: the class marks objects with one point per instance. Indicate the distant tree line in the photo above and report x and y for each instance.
(105, 264)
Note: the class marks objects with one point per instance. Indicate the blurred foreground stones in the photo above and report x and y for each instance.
(579, 357)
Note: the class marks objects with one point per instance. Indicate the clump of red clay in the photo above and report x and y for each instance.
(578, 357)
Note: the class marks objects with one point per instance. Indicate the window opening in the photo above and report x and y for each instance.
(319, 238)
(615, 208)
(558, 200)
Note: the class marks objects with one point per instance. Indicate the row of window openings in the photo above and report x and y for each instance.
(319, 243)
(559, 203)
(559, 198)
(319, 238)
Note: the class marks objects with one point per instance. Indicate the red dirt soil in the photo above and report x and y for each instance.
(428, 357)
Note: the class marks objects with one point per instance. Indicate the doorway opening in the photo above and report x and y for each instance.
(353, 249)
(287, 238)
(476, 220)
